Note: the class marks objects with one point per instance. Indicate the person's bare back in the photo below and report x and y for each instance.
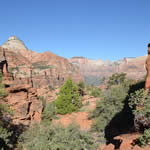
(147, 82)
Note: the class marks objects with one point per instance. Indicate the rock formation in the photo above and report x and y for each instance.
(25, 72)
(147, 83)
(133, 67)
(14, 43)
(40, 69)
(22, 98)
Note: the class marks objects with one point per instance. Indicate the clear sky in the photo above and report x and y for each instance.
(97, 29)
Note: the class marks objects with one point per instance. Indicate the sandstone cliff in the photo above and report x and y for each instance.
(27, 75)
(134, 67)
(42, 69)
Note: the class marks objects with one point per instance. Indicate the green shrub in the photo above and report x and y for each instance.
(96, 92)
(4, 138)
(56, 138)
(137, 98)
(145, 138)
(139, 102)
(116, 79)
(81, 86)
(49, 113)
(4, 126)
(41, 65)
(69, 99)
(108, 106)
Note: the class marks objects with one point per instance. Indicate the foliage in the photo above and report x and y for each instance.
(3, 93)
(145, 138)
(116, 79)
(49, 113)
(4, 137)
(108, 106)
(56, 138)
(94, 91)
(136, 98)
(69, 99)
(139, 102)
(2, 90)
(5, 112)
(4, 130)
(41, 66)
(81, 86)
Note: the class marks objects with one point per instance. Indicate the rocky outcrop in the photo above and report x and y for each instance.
(147, 83)
(23, 99)
(42, 70)
(25, 72)
(15, 44)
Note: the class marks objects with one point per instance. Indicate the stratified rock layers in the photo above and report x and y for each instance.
(25, 72)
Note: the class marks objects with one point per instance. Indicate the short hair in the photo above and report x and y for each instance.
(148, 44)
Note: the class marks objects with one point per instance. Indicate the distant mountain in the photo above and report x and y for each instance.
(14, 43)
(94, 70)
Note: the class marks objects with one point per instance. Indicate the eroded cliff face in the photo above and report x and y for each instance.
(43, 69)
(133, 67)
(22, 99)
(27, 75)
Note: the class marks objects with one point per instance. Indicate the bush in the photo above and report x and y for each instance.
(145, 138)
(116, 79)
(49, 113)
(139, 102)
(94, 91)
(108, 106)
(81, 86)
(5, 111)
(69, 99)
(5, 134)
(56, 138)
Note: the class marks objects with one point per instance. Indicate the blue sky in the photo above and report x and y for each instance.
(96, 29)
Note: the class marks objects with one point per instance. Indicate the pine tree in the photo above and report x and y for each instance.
(69, 99)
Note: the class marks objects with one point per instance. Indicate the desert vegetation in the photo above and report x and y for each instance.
(120, 107)
(69, 99)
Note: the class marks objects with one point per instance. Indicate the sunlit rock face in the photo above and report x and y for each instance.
(41, 69)
(14, 43)
(133, 67)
